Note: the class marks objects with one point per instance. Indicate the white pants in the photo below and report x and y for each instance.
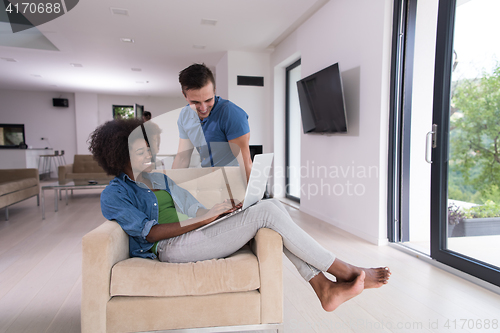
(226, 237)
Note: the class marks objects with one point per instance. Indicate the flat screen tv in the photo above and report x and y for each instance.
(11, 135)
(321, 99)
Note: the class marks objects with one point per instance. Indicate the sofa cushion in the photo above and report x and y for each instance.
(11, 187)
(146, 277)
(86, 164)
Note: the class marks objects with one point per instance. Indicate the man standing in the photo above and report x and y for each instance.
(209, 123)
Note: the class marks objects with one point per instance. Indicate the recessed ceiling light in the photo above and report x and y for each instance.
(127, 40)
(36, 75)
(9, 59)
(208, 22)
(119, 11)
(76, 65)
(199, 47)
(136, 69)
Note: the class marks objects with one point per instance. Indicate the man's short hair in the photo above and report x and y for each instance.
(146, 115)
(195, 77)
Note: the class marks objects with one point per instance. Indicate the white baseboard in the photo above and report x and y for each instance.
(347, 227)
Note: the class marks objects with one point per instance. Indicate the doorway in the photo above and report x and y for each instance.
(293, 132)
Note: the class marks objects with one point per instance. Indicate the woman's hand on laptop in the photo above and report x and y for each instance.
(217, 210)
(234, 202)
(226, 207)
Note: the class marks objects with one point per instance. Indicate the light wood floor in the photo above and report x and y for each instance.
(40, 279)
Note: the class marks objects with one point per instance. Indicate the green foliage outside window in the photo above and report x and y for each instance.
(489, 209)
(123, 112)
(475, 140)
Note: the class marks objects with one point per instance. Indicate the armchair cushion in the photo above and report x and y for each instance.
(139, 277)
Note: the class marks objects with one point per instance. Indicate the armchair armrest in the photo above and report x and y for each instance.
(63, 170)
(101, 249)
(268, 247)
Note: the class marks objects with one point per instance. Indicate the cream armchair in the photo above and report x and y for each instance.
(242, 292)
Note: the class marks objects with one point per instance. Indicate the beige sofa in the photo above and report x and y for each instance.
(83, 167)
(239, 293)
(17, 185)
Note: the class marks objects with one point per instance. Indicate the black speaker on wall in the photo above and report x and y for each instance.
(257, 81)
(60, 102)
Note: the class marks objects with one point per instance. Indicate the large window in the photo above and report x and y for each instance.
(444, 197)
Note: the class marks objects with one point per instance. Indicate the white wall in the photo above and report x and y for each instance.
(155, 105)
(68, 128)
(357, 34)
(98, 109)
(164, 112)
(86, 118)
(41, 119)
(255, 101)
(221, 77)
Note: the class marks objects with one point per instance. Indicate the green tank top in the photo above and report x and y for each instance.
(166, 211)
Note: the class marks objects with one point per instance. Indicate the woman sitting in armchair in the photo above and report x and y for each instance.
(149, 207)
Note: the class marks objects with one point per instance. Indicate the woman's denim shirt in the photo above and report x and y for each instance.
(135, 207)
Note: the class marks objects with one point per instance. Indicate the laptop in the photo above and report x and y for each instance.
(255, 188)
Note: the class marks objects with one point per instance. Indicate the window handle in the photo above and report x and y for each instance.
(430, 142)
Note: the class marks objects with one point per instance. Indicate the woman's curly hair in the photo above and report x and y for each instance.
(109, 144)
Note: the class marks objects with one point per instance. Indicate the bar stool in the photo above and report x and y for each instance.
(61, 159)
(45, 163)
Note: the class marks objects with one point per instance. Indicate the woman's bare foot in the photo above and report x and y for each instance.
(375, 277)
(332, 294)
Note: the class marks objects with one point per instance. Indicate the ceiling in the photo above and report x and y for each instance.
(168, 36)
